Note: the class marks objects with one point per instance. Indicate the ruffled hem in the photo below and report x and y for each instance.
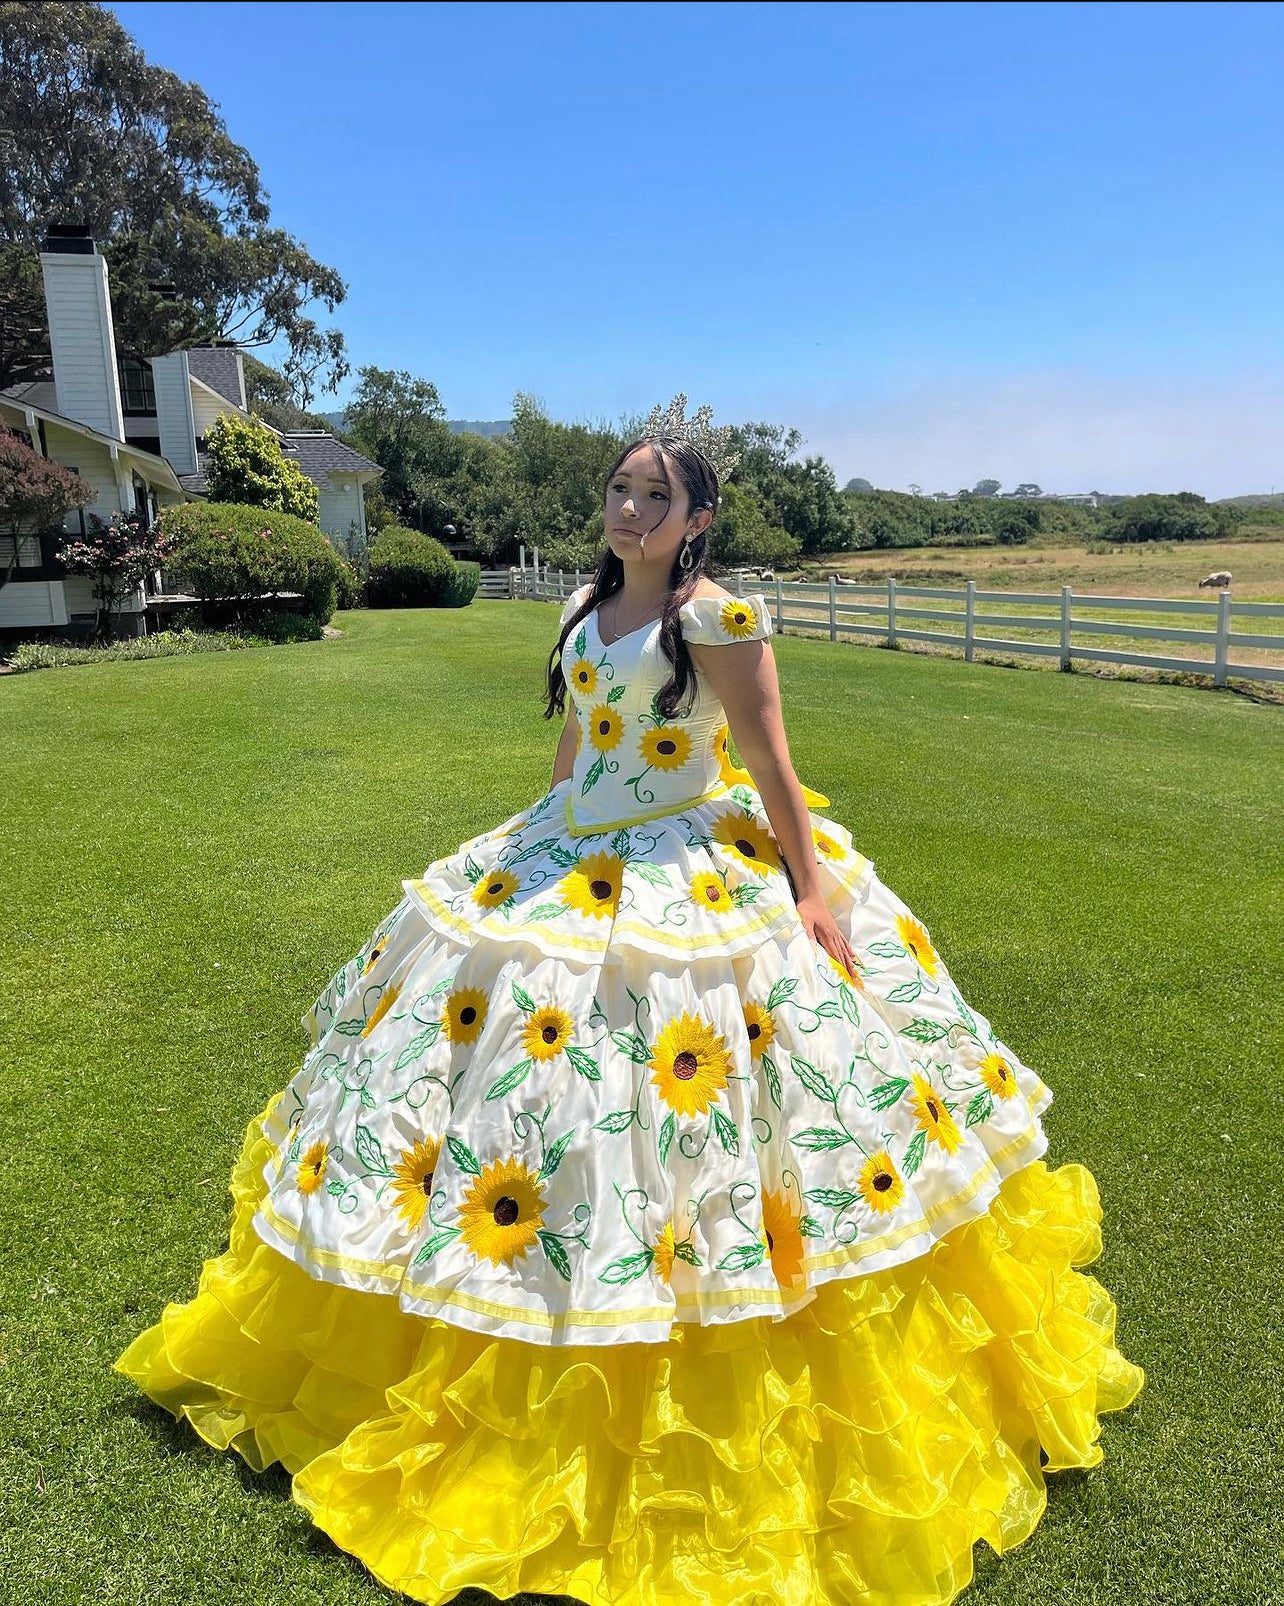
(854, 1453)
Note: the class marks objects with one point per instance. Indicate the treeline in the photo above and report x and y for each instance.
(541, 484)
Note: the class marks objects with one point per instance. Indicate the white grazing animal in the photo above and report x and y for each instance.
(1220, 578)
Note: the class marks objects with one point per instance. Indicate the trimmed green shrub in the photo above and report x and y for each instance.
(407, 570)
(464, 585)
(234, 557)
(352, 588)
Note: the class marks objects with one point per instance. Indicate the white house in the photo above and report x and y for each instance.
(136, 429)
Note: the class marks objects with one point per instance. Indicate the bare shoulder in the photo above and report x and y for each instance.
(710, 588)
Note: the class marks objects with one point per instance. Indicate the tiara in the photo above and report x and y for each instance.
(715, 444)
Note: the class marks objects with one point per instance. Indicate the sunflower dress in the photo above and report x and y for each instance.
(614, 1241)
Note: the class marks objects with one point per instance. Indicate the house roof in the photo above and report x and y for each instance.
(320, 455)
(217, 367)
(156, 468)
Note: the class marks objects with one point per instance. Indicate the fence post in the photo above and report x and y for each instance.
(780, 605)
(833, 607)
(578, 581)
(1065, 627)
(969, 627)
(891, 610)
(1221, 651)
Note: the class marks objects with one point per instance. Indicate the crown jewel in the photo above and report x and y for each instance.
(670, 424)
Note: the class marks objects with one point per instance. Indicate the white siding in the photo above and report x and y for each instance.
(82, 341)
(174, 411)
(206, 407)
(24, 603)
(341, 506)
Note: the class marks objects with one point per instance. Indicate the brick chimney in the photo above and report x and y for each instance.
(81, 338)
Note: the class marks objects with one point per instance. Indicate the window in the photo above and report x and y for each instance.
(137, 391)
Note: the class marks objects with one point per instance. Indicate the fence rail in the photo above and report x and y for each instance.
(843, 610)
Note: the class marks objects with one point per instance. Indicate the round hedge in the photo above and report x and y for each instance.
(408, 570)
(235, 557)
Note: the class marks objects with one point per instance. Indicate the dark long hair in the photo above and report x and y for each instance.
(701, 483)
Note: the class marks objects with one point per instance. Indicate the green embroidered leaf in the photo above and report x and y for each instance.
(417, 1045)
(656, 715)
(744, 797)
(617, 1121)
(742, 1258)
(727, 1134)
(584, 1063)
(558, 1258)
(595, 774)
(847, 998)
(563, 858)
(887, 1093)
(981, 1108)
(810, 1227)
(686, 1251)
(472, 869)
(832, 1198)
(543, 911)
(773, 1079)
(581, 641)
(652, 873)
(914, 1154)
(816, 1138)
(620, 844)
(439, 1240)
(616, 692)
(666, 1135)
(965, 1014)
(628, 1267)
(370, 1152)
(367, 1099)
(783, 989)
(907, 992)
(923, 1030)
(812, 1079)
(523, 999)
(634, 1045)
(336, 1190)
(829, 1009)
(554, 1156)
(888, 950)
(746, 892)
(349, 1028)
(463, 1157)
(510, 1079)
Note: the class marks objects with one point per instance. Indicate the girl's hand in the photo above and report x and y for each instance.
(821, 927)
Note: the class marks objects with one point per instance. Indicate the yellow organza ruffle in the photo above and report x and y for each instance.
(854, 1453)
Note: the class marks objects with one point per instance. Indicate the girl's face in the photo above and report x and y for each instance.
(641, 502)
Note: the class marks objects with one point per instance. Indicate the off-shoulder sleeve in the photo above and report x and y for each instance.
(572, 602)
(721, 620)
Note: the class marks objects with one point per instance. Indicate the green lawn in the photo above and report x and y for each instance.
(191, 845)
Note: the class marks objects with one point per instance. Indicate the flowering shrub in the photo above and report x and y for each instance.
(117, 556)
(246, 466)
(235, 557)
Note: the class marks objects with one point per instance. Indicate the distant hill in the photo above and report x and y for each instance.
(461, 426)
(1275, 500)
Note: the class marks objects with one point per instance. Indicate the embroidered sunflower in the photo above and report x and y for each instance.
(547, 1032)
(760, 1024)
(389, 998)
(728, 774)
(312, 1168)
(663, 1250)
(412, 1178)
(375, 955)
(496, 888)
(784, 1237)
(918, 943)
(502, 1212)
(826, 846)
(593, 886)
(583, 676)
(881, 1184)
(605, 727)
(710, 891)
(737, 619)
(997, 1075)
(666, 747)
(691, 1064)
(750, 841)
(464, 1014)
(932, 1116)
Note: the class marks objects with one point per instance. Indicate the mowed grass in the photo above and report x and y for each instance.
(190, 846)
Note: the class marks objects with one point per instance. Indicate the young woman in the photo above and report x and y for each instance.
(652, 1219)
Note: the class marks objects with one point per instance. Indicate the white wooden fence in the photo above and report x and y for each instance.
(964, 617)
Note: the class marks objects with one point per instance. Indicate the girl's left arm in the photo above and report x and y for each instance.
(743, 677)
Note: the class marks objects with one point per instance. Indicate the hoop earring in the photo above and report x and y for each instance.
(685, 560)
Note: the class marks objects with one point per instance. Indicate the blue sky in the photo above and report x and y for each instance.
(944, 241)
